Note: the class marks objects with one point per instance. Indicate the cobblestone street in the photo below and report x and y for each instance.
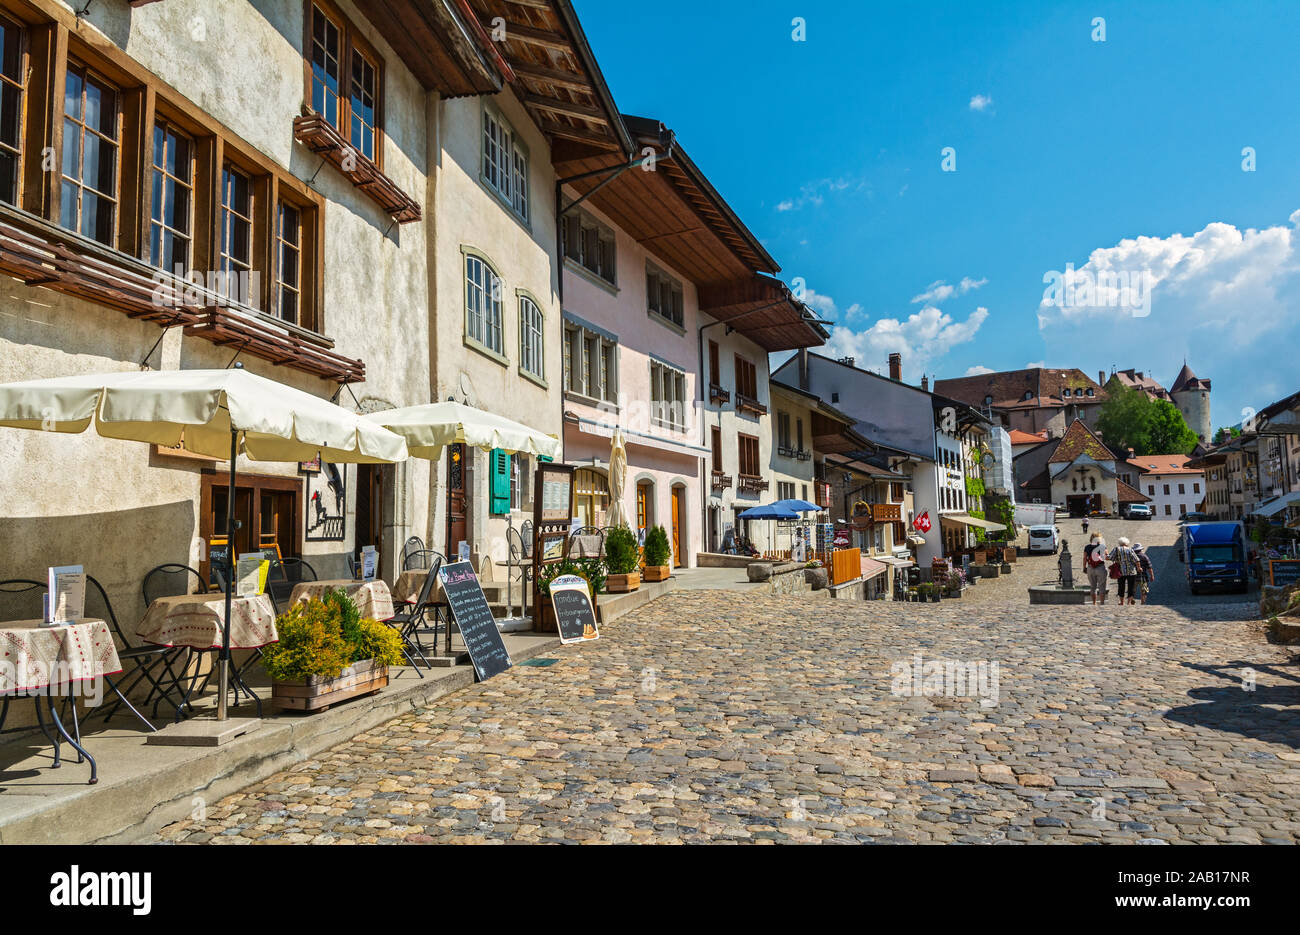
(720, 716)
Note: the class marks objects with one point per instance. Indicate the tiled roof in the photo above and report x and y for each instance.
(1044, 386)
(1137, 380)
(1077, 440)
(1127, 494)
(1186, 380)
(1163, 464)
(1026, 438)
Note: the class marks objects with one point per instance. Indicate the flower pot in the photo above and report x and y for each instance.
(622, 584)
(816, 578)
(1004, 569)
(656, 572)
(316, 694)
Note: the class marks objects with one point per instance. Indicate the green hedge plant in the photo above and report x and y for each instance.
(657, 550)
(621, 556)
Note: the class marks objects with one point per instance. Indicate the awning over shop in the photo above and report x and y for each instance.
(965, 519)
(916, 540)
(1276, 506)
(896, 562)
(871, 568)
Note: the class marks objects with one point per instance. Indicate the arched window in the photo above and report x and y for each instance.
(530, 338)
(591, 491)
(482, 303)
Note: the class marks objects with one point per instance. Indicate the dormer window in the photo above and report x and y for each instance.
(1065, 393)
(1090, 393)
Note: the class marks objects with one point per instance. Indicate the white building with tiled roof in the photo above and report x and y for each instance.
(1173, 487)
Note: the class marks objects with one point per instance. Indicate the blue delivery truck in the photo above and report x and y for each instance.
(1215, 556)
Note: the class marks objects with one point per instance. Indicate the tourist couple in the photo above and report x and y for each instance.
(1130, 566)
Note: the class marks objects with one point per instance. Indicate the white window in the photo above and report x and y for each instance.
(667, 395)
(482, 304)
(664, 295)
(590, 363)
(505, 163)
(530, 338)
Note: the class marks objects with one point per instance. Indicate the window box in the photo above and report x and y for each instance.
(750, 404)
(718, 395)
(318, 135)
(750, 483)
(720, 481)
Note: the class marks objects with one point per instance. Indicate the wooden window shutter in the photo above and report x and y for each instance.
(500, 482)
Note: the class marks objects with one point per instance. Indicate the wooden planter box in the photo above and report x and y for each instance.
(1009, 554)
(622, 584)
(317, 694)
(656, 572)
(980, 557)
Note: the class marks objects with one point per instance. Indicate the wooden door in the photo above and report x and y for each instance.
(677, 527)
(456, 498)
(370, 507)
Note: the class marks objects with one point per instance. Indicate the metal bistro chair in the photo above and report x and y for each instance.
(413, 623)
(283, 576)
(410, 547)
(421, 558)
(520, 542)
(354, 567)
(146, 658)
(582, 538)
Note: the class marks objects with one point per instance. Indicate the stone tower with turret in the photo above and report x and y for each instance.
(1191, 395)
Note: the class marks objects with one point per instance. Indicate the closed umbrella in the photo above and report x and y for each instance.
(219, 413)
(617, 478)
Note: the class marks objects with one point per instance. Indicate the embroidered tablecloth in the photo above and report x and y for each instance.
(196, 621)
(34, 657)
(408, 584)
(373, 599)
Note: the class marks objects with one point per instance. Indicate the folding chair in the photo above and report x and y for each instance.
(411, 546)
(145, 658)
(412, 624)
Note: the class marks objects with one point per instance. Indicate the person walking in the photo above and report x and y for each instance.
(1126, 569)
(1094, 563)
(1085, 524)
(1147, 574)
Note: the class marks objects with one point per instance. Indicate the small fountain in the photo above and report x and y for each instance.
(1063, 591)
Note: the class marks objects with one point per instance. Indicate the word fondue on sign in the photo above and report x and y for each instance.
(575, 618)
(474, 618)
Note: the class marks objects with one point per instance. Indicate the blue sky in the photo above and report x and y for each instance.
(831, 149)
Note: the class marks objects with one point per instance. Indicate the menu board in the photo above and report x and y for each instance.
(575, 618)
(66, 594)
(250, 574)
(369, 562)
(477, 626)
(554, 493)
(1282, 571)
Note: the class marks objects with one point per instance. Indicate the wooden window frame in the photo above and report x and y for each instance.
(212, 479)
(746, 377)
(493, 305)
(19, 148)
(745, 446)
(715, 443)
(577, 226)
(515, 161)
(156, 168)
(88, 73)
(280, 284)
(538, 354)
(351, 43)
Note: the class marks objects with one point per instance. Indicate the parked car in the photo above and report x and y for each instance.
(1195, 518)
(1139, 511)
(1044, 539)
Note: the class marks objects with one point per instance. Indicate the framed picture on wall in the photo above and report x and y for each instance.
(327, 503)
(310, 467)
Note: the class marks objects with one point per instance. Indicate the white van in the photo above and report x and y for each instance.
(1044, 539)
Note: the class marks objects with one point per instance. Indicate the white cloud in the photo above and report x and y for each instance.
(922, 337)
(981, 102)
(977, 370)
(940, 291)
(1036, 365)
(1235, 282)
(815, 193)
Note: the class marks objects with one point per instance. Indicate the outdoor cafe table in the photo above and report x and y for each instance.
(196, 622)
(373, 599)
(406, 589)
(35, 660)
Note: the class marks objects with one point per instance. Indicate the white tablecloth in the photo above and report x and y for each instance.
(372, 598)
(196, 621)
(35, 657)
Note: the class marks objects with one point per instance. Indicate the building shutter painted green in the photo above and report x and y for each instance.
(500, 482)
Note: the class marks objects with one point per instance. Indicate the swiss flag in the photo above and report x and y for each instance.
(922, 522)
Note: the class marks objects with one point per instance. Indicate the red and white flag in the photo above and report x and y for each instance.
(922, 522)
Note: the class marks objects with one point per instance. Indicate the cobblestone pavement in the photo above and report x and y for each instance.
(717, 716)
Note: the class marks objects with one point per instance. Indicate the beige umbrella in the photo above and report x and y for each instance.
(617, 479)
(212, 412)
(431, 427)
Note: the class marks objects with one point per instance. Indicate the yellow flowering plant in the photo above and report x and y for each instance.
(323, 636)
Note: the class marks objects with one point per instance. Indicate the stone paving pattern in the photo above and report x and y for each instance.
(717, 716)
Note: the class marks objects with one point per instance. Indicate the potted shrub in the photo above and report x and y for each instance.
(621, 561)
(327, 653)
(657, 553)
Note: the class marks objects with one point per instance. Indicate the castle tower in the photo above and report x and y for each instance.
(1191, 395)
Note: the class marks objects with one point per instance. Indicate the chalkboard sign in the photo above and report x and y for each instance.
(1282, 571)
(575, 618)
(474, 618)
(218, 563)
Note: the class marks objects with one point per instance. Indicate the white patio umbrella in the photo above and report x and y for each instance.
(211, 412)
(617, 479)
(431, 427)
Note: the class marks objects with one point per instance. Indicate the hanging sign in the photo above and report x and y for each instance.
(574, 616)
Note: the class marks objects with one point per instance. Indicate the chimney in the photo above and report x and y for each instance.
(803, 369)
(925, 383)
(1101, 377)
(896, 367)
(1131, 454)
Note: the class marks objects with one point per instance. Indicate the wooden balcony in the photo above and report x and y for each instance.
(750, 404)
(322, 138)
(822, 495)
(41, 254)
(718, 396)
(887, 512)
(720, 481)
(752, 483)
(795, 454)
